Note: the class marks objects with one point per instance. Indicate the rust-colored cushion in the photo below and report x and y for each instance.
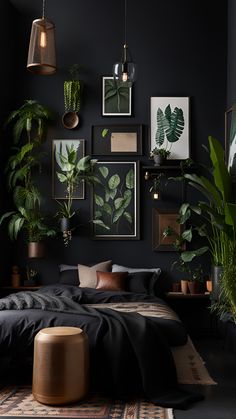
(111, 281)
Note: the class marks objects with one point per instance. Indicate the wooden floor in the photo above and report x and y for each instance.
(220, 400)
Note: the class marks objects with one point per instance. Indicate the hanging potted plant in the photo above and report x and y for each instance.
(72, 98)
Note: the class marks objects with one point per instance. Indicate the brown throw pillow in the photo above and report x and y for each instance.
(88, 276)
(111, 281)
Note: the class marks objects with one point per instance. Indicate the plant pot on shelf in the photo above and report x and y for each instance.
(70, 120)
(35, 249)
(194, 287)
(158, 160)
(65, 224)
(184, 286)
(209, 285)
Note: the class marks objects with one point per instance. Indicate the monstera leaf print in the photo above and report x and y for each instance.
(162, 125)
(176, 124)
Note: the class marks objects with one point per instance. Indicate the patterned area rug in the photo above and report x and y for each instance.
(19, 402)
(190, 366)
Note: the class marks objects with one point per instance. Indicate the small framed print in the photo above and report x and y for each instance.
(117, 140)
(165, 229)
(58, 188)
(115, 201)
(116, 97)
(169, 126)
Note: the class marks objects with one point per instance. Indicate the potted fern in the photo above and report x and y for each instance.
(72, 98)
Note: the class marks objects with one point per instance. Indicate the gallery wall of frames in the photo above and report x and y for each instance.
(117, 217)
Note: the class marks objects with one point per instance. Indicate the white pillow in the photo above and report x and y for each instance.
(120, 268)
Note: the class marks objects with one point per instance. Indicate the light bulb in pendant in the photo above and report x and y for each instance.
(124, 77)
(43, 39)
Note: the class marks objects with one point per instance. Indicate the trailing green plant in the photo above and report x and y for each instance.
(73, 90)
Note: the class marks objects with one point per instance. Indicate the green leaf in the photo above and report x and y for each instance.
(114, 181)
(99, 200)
(6, 215)
(129, 181)
(176, 127)
(188, 256)
(104, 171)
(105, 132)
(107, 208)
(220, 172)
(162, 125)
(110, 194)
(118, 214)
(187, 235)
(127, 198)
(84, 163)
(118, 203)
(62, 178)
(185, 217)
(98, 214)
(230, 215)
(183, 209)
(100, 223)
(128, 217)
(205, 187)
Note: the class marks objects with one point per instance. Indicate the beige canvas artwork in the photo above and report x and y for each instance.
(124, 142)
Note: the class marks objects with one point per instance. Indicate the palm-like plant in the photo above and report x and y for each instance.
(31, 112)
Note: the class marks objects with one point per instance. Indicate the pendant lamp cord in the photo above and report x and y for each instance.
(43, 9)
(125, 28)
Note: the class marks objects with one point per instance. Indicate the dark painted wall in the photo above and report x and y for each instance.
(231, 85)
(8, 70)
(180, 48)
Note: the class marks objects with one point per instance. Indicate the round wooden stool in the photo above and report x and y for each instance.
(60, 370)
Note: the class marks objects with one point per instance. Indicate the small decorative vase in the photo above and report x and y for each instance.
(193, 287)
(158, 160)
(184, 286)
(64, 224)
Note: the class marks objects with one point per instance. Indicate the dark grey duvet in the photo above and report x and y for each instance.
(129, 353)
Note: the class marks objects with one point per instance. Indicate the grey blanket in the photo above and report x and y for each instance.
(37, 300)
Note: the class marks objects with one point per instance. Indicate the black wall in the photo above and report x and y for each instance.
(180, 48)
(231, 91)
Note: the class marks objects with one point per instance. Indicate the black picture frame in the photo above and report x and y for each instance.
(115, 202)
(117, 140)
(58, 188)
(116, 98)
(161, 219)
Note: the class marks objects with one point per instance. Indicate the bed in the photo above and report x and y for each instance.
(130, 336)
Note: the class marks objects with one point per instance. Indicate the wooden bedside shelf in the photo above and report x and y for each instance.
(180, 295)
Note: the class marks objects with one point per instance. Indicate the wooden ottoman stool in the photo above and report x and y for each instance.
(60, 370)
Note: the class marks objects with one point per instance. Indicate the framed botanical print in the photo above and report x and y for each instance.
(60, 150)
(116, 97)
(115, 201)
(165, 229)
(169, 126)
(116, 140)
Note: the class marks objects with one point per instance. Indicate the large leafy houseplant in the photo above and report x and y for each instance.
(73, 171)
(216, 220)
(29, 130)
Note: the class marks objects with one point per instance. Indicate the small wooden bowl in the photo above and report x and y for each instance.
(70, 120)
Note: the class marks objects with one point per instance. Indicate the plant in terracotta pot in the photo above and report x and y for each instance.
(72, 98)
(183, 267)
(72, 172)
(196, 280)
